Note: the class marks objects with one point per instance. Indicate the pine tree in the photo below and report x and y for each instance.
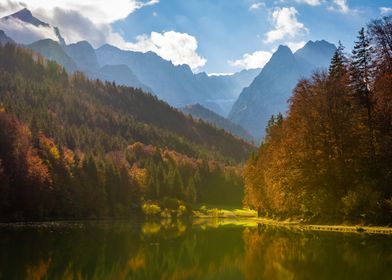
(338, 63)
(360, 78)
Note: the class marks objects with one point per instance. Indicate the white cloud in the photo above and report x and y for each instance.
(310, 2)
(385, 10)
(256, 6)
(179, 48)
(91, 20)
(26, 33)
(98, 11)
(285, 24)
(80, 20)
(219, 74)
(252, 61)
(295, 46)
(340, 6)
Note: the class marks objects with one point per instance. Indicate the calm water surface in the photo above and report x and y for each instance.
(202, 250)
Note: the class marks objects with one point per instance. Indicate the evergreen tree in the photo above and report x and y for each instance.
(360, 81)
(338, 63)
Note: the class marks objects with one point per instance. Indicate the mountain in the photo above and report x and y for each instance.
(26, 16)
(174, 84)
(315, 55)
(84, 56)
(105, 116)
(227, 88)
(199, 112)
(74, 148)
(269, 92)
(53, 51)
(4, 39)
(122, 75)
(178, 85)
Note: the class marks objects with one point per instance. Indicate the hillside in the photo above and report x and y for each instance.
(53, 51)
(199, 112)
(71, 147)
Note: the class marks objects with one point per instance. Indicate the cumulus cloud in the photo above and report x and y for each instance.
(179, 48)
(98, 11)
(385, 10)
(295, 46)
(256, 6)
(252, 61)
(310, 2)
(340, 6)
(91, 20)
(26, 33)
(75, 27)
(285, 24)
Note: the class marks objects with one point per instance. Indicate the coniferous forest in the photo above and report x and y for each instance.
(73, 148)
(330, 159)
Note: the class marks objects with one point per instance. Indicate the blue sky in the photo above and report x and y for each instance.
(215, 36)
(227, 29)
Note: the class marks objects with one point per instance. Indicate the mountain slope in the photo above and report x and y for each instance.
(26, 16)
(53, 51)
(122, 75)
(269, 92)
(84, 56)
(199, 112)
(95, 116)
(227, 88)
(73, 148)
(4, 39)
(177, 85)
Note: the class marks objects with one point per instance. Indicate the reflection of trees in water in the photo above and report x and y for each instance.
(170, 250)
(272, 253)
(153, 250)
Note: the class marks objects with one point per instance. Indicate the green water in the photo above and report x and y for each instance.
(166, 250)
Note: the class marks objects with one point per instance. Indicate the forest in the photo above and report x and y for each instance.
(73, 148)
(330, 158)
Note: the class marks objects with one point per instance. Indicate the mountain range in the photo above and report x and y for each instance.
(248, 98)
(199, 112)
(269, 92)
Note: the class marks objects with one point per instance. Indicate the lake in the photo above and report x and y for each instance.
(204, 249)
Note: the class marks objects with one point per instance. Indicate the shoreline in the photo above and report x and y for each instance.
(329, 228)
(225, 220)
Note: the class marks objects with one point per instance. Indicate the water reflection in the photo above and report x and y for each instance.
(177, 250)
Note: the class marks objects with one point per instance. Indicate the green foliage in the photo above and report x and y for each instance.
(75, 148)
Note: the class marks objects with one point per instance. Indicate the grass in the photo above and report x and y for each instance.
(213, 216)
(228, 212)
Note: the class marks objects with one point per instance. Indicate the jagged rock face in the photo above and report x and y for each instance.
(269, 92)
(27, 17)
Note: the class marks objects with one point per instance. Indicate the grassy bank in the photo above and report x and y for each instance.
(248, 217)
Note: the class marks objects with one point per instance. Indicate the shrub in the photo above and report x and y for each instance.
(151, 209)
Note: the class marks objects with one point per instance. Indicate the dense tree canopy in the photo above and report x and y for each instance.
(76, 148)
(330, 158)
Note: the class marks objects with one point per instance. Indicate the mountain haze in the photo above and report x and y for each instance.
(269, 92)
(199, 112)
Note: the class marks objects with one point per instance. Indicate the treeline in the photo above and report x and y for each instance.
(330, 158)
(72, 148)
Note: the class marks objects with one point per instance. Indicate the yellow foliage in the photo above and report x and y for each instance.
(151, 209)
(139, 175)
(54, 152)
